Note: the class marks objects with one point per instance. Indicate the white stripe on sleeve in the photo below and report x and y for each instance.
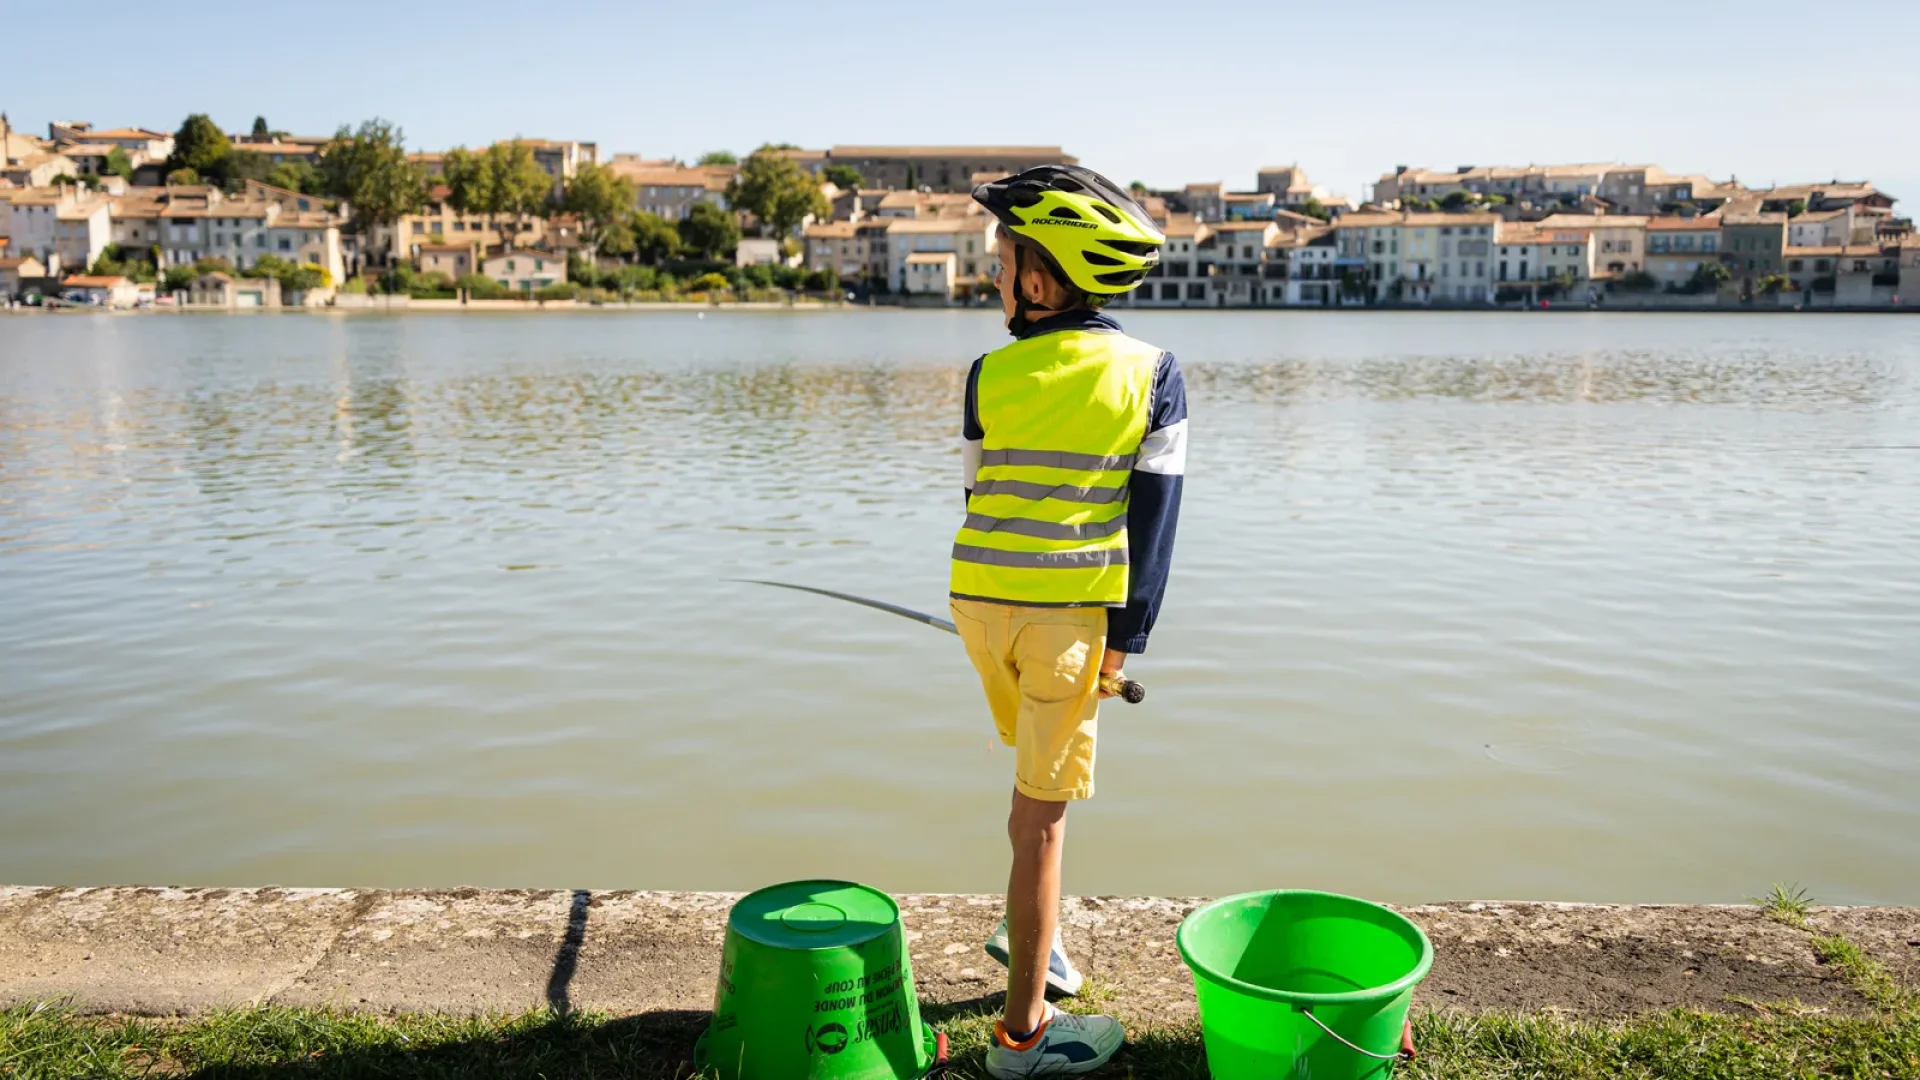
(970, 453)
(1164, 451)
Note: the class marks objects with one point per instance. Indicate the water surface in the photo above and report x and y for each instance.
(1547, 606)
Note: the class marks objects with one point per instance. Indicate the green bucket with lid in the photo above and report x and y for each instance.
(815, 984)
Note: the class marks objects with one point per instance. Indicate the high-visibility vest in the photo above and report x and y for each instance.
(1046, 524)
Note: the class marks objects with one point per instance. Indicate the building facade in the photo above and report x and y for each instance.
(941, 168)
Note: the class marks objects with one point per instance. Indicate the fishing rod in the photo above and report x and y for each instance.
(1125, 689)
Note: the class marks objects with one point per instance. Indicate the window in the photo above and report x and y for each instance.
(286, 244)
(509, 268)
(1796, 265)
(1196, 291)
(419, 226)
(1479, 269)
(260, 240)
(437, 228)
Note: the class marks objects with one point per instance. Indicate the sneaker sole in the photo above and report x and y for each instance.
(1077, 1068)
(1055, 983)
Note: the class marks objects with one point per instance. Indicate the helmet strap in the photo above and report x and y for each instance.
(1021, 321)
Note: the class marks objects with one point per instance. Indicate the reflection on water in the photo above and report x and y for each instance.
(1466, 605)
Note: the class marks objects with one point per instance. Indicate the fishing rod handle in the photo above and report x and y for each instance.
(1125, 689)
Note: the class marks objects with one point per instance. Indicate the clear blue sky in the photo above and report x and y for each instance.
(1165, 93)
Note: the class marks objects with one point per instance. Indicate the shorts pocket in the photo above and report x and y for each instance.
(1057, 659)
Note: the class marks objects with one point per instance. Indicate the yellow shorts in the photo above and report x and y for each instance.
(1041, 670)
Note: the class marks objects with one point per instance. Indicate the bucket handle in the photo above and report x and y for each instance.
(1405, 1053)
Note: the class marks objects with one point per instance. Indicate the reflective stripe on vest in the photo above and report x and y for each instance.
(1064, 414)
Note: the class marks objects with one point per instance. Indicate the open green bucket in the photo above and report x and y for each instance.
(815, 984)
(1303, 984)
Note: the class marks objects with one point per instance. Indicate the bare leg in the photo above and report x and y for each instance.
(1039, 834)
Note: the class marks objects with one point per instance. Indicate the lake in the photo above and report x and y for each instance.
(1518, 606)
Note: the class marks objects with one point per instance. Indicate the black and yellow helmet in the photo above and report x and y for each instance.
(1092, 231)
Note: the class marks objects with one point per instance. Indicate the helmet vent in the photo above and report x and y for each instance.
(1065, 212)
(1107, 212)
(1098, 259)
(1132, 247)
(1121, 277)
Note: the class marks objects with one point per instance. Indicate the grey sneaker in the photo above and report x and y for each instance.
(1065, 1045)
(1062, 977)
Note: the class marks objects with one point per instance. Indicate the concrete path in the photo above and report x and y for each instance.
(180, 951)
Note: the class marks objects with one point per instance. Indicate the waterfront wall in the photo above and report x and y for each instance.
(183, 951)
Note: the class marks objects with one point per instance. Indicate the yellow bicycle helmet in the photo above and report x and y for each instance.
(1097, 238)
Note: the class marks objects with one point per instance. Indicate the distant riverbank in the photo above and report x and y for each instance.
(397, 304)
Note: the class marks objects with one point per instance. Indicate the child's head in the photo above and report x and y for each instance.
(1027, 272)
(1068, 239)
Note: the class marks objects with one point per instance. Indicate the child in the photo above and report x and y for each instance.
(1076, 440)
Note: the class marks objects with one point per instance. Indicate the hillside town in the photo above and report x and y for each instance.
(130, 217)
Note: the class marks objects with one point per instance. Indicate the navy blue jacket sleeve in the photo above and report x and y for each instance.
(1153, 510)
(972, 434)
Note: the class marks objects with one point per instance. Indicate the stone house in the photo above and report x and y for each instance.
(1677, 246)
(929, 273)
(524, 270)
(109, 291)
(454, 260)
(15, 271)
(221, 290)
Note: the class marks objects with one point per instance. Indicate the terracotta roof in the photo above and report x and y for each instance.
(18, 262)
(833, 230)
(1809, 252)
(1183, 226)
(976, 223)
(1050, 153)
(81, 212)
(1195, 189)
(446, 247)
(85, 281)
(1249, 196)
(1753, 219)
(1818, 215)
(1473, 218)
(926, 257)
(90, 149)
(1680, 224)
(1595, 221)
(1240, 226)
(128, 133)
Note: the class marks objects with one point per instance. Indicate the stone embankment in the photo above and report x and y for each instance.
(159, 951)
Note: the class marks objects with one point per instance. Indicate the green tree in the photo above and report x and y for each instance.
(119, 164)
(774, 189)
(181, 177)
(1459, 200)
(718, 157)
(601, 198)
(844, 177)
(369, 168)
(1314, 208)
(616, 238)
(1708, 278)
(502, 183)
(1796, 208)
(1639, 281)
(1138, 188)
(654, 239)
(295, 175)
(179, 279)
(242, 165)
(260, 128)
(709, 232)
(199, 145)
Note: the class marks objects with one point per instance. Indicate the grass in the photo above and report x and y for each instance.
(1787, 904)
(52, 1043)
(1865, 974)
(1792, 906)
